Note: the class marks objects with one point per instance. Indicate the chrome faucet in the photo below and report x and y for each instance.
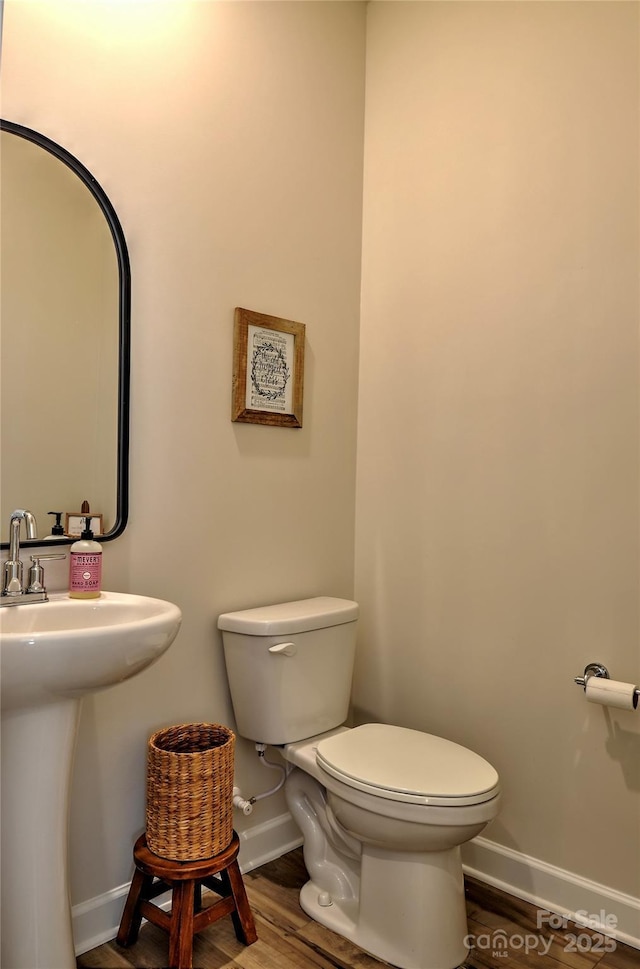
(13, 592)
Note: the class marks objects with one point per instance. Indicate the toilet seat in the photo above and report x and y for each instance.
(407, 765)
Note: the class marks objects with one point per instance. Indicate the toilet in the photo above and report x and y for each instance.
(383, 810)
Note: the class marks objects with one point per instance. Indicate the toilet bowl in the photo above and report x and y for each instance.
(384, 859)
(383, 810)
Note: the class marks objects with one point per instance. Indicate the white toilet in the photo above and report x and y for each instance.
(383, 810)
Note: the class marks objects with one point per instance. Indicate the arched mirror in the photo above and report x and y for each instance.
(64, 341)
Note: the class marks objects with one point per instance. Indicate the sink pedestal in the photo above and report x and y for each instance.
(51, 655)
(37, 762)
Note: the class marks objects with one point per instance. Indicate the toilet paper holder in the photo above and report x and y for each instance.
(596, 669)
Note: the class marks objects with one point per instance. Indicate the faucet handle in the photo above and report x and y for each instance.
(36, 572)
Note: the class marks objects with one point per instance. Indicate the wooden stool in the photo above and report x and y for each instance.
(185, 879)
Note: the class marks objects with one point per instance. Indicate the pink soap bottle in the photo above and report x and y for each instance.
(85, 571)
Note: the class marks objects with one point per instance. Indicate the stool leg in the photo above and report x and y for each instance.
(181, 932)
(243, 923)
(131, 917)
(197, 897)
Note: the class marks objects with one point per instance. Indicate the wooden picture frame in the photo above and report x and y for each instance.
(268, 369)
(74, 523)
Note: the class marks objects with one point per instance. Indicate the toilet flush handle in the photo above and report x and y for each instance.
(284, 649)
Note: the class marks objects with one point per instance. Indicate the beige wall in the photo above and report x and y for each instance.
(229, 138)
(497, 495)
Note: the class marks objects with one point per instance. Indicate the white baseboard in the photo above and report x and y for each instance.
(550, 888)
(97, 920)
(554, 889)
(268, 841)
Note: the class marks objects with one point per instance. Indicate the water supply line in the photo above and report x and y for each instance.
(261, 749)
(246, 804)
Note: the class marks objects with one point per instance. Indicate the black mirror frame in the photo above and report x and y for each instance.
(124, 324)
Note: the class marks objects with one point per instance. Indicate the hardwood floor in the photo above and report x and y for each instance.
(505, 930)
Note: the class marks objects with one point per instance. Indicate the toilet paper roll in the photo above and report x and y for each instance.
(611, 693)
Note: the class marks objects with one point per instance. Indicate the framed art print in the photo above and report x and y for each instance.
(268, 369)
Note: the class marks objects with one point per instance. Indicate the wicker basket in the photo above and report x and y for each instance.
(190, 791)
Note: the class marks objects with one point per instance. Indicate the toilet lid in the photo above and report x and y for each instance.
(407, 765)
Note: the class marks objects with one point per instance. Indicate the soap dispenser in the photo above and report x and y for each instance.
(85, 572)
(57, 531)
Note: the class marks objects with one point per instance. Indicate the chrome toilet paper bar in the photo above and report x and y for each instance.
(592, 669)
(624, 695)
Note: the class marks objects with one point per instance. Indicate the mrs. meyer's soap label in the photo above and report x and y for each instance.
(86, 572)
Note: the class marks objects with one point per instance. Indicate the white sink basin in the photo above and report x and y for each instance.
(69, 647)
(52, 654)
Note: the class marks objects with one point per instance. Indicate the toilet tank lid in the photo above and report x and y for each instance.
(290, 617)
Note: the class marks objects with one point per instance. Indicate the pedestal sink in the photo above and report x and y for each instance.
(51, 655)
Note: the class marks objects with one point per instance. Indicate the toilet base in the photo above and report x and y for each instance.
(410, 911)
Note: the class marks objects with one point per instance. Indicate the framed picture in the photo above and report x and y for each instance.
(268, 370)
(74, 523)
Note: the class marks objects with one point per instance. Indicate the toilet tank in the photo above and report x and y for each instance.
(289, 667)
